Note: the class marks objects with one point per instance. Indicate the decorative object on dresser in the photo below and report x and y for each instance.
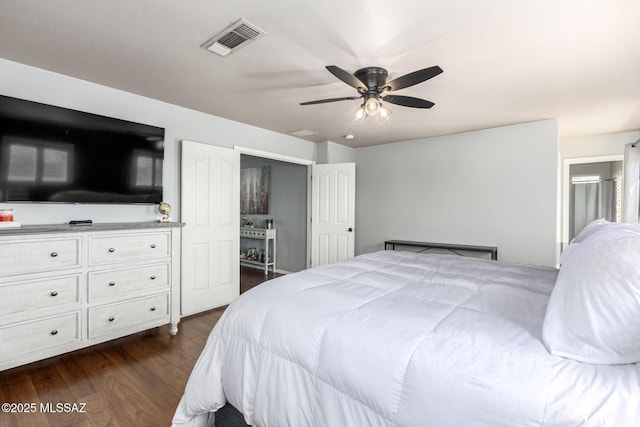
(252, 257)
(6, 215)
(7, 219)
(64, 287)
(164, 209)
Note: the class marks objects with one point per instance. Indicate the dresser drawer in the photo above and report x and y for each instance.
(34, 256)
(126, 281)
(39, 334)
(112, 318)
(28, 295)
(128, 247)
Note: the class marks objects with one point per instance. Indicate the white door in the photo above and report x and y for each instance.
(210, 208)
(333, 188)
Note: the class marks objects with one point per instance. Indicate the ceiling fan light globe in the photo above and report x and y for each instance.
(372, 107)
(359, 114)
(384, 113)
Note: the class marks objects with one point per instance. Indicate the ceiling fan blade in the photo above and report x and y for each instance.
(346, 77)
(322, 101)
(412, 78)
(408, 101)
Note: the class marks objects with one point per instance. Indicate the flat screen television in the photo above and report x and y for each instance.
(54, 154)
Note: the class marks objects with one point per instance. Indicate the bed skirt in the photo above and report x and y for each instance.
(229, 416)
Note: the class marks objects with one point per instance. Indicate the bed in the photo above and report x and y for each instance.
(397, 338)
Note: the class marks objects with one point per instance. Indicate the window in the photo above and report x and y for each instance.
(147, 169)
(38, 162)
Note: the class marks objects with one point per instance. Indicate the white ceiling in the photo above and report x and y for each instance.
(504, 61)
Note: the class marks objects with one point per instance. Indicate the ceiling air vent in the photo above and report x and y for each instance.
(303, 133)
(234, 37)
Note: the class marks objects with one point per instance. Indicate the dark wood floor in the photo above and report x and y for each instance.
(250, 277)
(133, 381)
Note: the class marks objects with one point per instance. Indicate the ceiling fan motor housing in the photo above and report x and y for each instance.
(374, 77)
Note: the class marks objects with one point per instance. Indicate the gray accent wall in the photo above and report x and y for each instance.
(494, 187)
(287, 208)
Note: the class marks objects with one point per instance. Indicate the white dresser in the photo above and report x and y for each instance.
(67, 287)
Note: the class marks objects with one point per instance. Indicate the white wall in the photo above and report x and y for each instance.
(331, 152)
(598, 145)
(492, 187)
(21, 81)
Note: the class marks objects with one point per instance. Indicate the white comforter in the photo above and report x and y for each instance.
(402, 339)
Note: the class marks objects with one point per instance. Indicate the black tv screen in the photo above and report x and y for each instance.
(54, 154)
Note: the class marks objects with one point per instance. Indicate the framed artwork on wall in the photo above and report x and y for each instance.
(254, 190)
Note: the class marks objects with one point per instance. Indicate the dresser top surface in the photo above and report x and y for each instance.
(66, 228)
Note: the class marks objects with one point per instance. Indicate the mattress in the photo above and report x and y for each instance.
(402, 339)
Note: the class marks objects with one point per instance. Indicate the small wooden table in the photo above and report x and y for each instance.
(455, 248)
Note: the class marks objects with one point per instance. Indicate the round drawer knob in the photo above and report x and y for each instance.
(111, 319)
(54, 293)
(54, 332)
(54, 254)
(112, 283)
(153, 246)
(112, 249)
(153, 277)
(153, 309)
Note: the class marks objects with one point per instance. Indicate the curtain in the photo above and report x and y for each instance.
(631, 194)
(591, 201)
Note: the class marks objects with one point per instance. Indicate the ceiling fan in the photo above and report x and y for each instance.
(372, 85)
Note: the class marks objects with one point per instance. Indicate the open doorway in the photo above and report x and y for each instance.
(595, 192)
(592, 190)
(273, 240)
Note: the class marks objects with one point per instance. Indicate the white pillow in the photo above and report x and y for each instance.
(591, 228)
(593, 314)
(567, 251)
